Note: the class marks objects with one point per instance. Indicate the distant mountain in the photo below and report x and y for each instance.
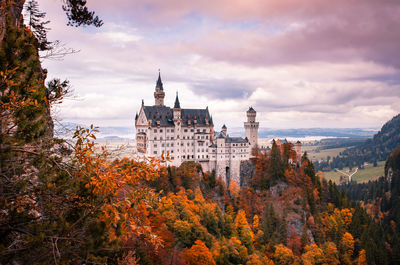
(376, 149)
(307, 132)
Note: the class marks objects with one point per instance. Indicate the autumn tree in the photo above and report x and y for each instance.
(198, 254)
(243, 230)
(347, 248)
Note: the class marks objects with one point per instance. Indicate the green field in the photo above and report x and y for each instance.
(314, 154)
(363, 175)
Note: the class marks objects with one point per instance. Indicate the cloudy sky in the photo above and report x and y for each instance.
(300, 64)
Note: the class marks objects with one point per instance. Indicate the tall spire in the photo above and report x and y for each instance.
(159, 94)
(177, 105)
(159, 82)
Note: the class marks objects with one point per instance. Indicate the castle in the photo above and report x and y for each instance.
(188, 135)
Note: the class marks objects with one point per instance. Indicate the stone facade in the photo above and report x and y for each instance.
(188, 135)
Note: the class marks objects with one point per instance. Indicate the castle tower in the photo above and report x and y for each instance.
(177, 109)
(251, 127)
(223, 131)
(159, 94)
(177, 112)
(298, 150)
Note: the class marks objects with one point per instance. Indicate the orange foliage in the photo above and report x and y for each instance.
(198, 254)
(118, 190)
(362, 258)
(347, 248)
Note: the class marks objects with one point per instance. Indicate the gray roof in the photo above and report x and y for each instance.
(177, 105)
(251, 110)
(159, 82)
(236, 140)
(166, 116)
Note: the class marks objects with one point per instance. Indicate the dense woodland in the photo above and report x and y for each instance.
(372, 150)
(65, 203)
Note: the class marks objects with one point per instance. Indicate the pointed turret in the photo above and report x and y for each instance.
(159, 93)
(223, 131)
(177, 105)
(159, 82)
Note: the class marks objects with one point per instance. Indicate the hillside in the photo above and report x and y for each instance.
(372, 150)
(381, 199)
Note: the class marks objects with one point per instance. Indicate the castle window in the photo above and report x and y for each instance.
(204, 130)
(198, 130)
(188, 144)
(160, 130)
(155, 145)
(172, 151)
(192, 156)
(167, 144)
(192, 130)
(172, 145)
(202, 156)
(185, 130)
(207, 156)
(183, 157)
(155, 130)
(206, 136)
(160, 137)
(172, 130)
(184, 137)
(155, 152)
(162, 145)
(155, 137)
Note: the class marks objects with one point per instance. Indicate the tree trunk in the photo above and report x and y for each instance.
(14, 9)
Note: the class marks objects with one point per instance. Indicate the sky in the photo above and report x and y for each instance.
(299, 64)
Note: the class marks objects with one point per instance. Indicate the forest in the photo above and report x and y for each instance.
(371, 150)
(70, 203)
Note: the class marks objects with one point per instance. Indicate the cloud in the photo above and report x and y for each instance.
(299, 63)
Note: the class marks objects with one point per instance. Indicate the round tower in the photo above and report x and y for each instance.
(224, 130)
(159, 94)
(251, 127)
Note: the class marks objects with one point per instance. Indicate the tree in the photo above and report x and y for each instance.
(347, 248)
(37, 25)
(362, 258)
(243, 230)
(78, 14)
(198, 254)
(276, 168)
(283, 255)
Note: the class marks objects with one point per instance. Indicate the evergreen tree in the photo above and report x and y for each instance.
(276, 168)
(37, 24)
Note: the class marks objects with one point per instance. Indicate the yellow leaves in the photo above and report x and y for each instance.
(347, 248)
(312, 255)
(118, 187)
(234, 188)
(283, 255)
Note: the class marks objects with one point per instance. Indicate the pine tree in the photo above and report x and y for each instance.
(276, 168)
(37, 24)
